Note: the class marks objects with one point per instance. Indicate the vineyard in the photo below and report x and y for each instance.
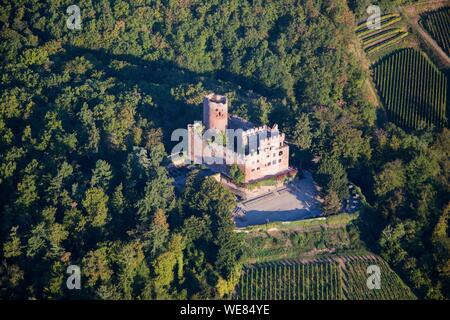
(376, 39)
(328, 279)
(412, 88)
(437, 24)
(391, 287)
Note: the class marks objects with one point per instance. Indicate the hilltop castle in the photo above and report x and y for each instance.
(260, 152)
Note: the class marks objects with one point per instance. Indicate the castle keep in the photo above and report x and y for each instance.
(260, 152)
(215, 112)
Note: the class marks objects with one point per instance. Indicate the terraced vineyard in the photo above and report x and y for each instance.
(332, 279)
(437, 24)
(413, 90)
(388, 35)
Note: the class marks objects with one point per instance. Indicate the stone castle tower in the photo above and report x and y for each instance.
(265, 153)
(215, 112)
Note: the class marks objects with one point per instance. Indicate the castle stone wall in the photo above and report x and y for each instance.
(267, 154)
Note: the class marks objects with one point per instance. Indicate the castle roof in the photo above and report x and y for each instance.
(217, 98)
(235, 123)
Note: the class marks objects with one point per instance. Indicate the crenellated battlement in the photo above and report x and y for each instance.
(267, 153)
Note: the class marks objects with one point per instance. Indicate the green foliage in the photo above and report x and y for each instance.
(302, 132)
(332, 204)
(85, 123)
(262, 183)
(212, 198)
(165, 264)
(35, 56)
(263, 110)
(101, 175)
(236, 174)
(95, 203)
(158, 194)
(159, 232)
(349, 144)
(390, 178)
(409, 188)
(331, 174)
(12, 248)
(96, 267)
(281, 240)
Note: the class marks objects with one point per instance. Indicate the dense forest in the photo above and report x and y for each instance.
(85, 122)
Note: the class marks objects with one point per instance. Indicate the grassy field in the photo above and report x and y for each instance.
(337, 278)
(412, 88)
(294, 240)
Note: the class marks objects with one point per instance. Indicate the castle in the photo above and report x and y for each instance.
(260, 152)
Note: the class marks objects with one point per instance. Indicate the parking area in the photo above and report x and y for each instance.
(352, 204)
(296, 201)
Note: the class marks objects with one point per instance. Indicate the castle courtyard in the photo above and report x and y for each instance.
(296, 201)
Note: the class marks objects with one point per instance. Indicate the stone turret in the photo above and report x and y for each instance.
(215, 112)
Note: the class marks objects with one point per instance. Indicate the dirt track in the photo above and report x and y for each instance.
(412, 17)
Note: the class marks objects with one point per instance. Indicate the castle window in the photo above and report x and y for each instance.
(274, 162)
(279, 160)
(280, 153)
(257, 168)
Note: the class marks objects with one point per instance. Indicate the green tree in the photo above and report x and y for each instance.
(101, 175)
(158, 194)
(236, 174)
(95, 202)
(263, 109)
(169, 266)
(332, 204)
(348, 143)
(159, 232)
(118, 201)
(12, 248)
(391, 177)
(302, 132)
(96, 267)
(34, 56)
(332, 176)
